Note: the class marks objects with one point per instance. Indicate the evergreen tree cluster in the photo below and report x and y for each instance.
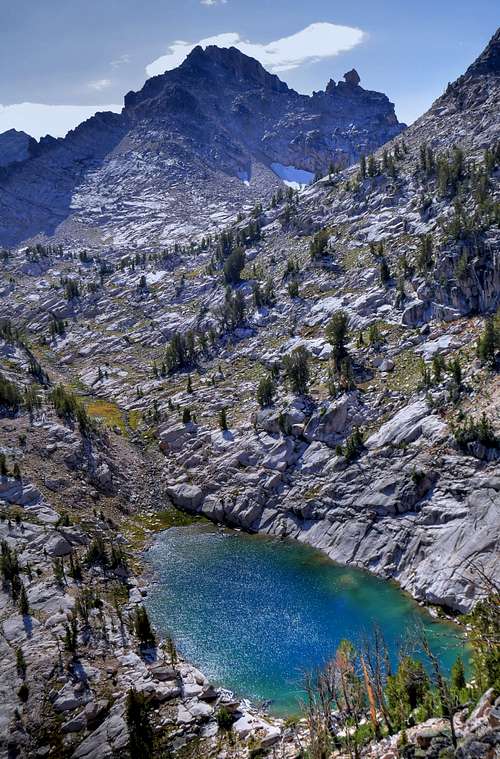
(69, 407)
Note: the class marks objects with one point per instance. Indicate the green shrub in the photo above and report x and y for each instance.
(319, 244)
(97, 553)
(265, 391)
(472, 431)
(142, 627)
(225, 719)
(23, 693)
(353, 445)
(10, 397)
(296, 366)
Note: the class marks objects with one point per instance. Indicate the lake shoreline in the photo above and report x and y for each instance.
(318, 563)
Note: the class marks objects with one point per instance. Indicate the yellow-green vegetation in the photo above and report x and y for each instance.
(407, 372)
(18, 513)
(78, 386)
(354, 258)
(107, 411)
(313, 492)
(134, 419)
(311, 331)
(138, 528)
(112, 416)
(391, 333)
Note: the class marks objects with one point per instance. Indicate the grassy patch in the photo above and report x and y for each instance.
(138, 528)
(314, 491)
(407, 372)
(354, 258)
(107, 411)
(134, 419)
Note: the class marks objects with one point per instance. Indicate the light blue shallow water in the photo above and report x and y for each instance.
(255, 613)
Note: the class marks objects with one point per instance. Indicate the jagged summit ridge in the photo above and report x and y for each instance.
(187, 152)
(240, 66)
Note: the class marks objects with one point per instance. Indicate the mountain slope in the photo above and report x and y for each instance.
(384, 453)
(187, 150)
(424, 218)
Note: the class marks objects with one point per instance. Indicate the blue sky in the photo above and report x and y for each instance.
(63, 59)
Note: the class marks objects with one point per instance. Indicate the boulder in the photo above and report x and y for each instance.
(18, 627)
(75, 725)
(57, 546)
(404, 427)
(162, 673)
(110, 738)
(280, 456)
(186, 496)
(67, 699)
(329, 423)
(387, 365)
(174, 438)
(414, 314)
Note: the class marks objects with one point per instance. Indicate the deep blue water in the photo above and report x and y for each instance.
(256, 613)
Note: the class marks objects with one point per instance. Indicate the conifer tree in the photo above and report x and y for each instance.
(296, 366)
(336, 333)
(362, 167)
(265, 391)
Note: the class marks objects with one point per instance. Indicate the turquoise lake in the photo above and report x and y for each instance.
(255, 613)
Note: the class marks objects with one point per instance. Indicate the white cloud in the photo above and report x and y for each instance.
(38, 119)
(315, 42)
(213, 2)
(120, 61)
(100, 84)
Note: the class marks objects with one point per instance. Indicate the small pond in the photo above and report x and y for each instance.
(255, 613)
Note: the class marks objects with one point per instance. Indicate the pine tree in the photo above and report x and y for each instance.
(71, 635)
(372, 166)
(385, 273)
(139, 726)
(296, 366)
(456, 372)
(265, 391)
(24, 606)
(458, 675)
(487, 344)
(362, 167)
(223, 419)
(336, 333)
(424, 255)
(233, 266)
(20, 663)
(171, 649)
(142, 627)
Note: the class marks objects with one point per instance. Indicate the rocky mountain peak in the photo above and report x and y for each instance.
(15, 146)
(218, 121)
(352, 77)
(231, 63)
(489, 60)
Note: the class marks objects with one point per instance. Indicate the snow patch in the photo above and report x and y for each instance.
(154, 277)
(244, 176)
(291, 176)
